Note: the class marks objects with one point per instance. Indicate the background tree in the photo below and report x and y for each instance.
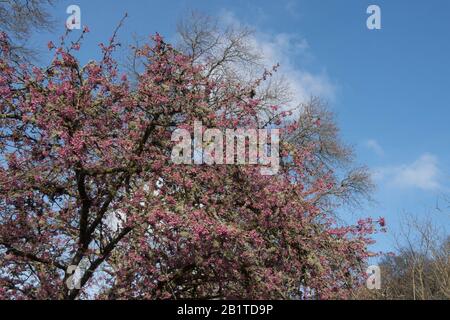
(20, 18)
(420, 268)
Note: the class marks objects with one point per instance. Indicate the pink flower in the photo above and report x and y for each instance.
(76, 46)
(157, 37)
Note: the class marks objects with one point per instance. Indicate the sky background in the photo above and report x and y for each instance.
(389, 88)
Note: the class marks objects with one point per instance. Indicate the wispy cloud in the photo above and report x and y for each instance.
(292, 8)
(373, 145)
(422, 173)
(289, 50)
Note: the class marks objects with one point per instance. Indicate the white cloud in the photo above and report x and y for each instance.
(288, 49)
(373, 145)
(423, 174)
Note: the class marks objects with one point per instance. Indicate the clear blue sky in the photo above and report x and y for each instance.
(390, 88)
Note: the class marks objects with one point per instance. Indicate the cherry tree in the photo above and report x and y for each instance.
(91, 205)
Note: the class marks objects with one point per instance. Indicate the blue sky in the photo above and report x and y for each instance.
(390, 88)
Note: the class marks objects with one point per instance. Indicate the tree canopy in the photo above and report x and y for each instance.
(82, 146)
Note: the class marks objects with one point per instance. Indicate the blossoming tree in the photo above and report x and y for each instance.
(87, 185)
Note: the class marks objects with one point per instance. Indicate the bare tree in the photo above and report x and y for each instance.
(229, 52)
(20, 18)
(420, 270)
